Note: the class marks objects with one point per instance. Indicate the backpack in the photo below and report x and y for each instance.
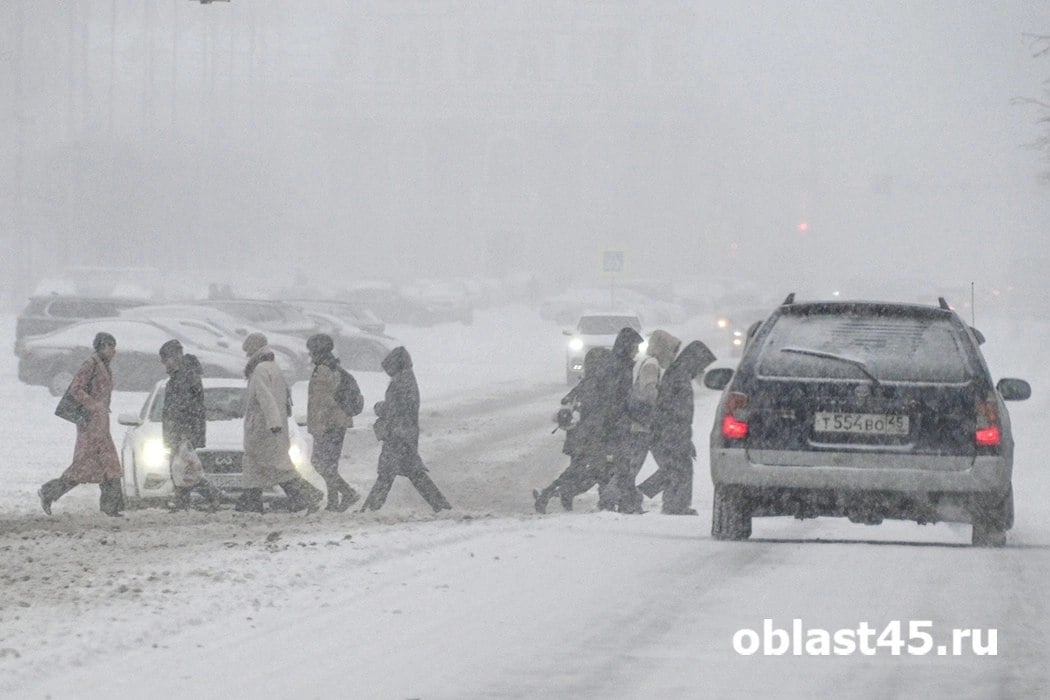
(348, 394)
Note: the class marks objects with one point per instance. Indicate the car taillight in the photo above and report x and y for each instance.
(987, 433)
(734, 423)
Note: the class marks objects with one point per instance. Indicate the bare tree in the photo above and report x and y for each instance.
(1040, 47)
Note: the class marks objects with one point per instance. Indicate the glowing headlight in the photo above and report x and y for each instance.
(296, 455)
(723, 323)
(643, 346)
(576, 344)
(738, 334)
(154, 454)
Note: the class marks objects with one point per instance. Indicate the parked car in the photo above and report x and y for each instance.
(357, 351)
(145, 459)
(51, 360)
(392, 306)
(358, 316)
(268, 315)
(229, 331)
(594, 330)
(50, 312)
(864, 410)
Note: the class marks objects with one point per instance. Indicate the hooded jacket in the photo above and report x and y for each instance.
(183, 416)
(659, 354)
(400, 407)
(673, 412)
(586, 397)
(616, 388)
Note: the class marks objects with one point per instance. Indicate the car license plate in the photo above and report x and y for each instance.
(861, 423)
(225, 481)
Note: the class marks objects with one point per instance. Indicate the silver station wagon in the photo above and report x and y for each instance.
(863, 410)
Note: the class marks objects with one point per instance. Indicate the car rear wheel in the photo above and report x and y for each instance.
(992, 520)
(730, 514)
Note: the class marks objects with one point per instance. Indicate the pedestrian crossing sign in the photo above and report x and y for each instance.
(612, 261)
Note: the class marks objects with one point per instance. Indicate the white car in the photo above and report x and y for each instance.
(145, 459)
(595, 330)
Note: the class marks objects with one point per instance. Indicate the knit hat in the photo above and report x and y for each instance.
(320, 344)
(103, 339)
(254, 342)
(171, 348)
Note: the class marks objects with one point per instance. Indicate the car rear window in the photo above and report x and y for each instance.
(607, 325)
(893, 347)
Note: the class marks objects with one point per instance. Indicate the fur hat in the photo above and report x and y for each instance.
(254, 342)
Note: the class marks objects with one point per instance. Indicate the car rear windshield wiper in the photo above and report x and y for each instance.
(832, 356)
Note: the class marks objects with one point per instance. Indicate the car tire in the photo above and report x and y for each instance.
(992, 520)
(730, 514)
(59, 380)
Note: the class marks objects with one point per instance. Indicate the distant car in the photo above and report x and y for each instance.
(51, 360)
(594, 330)
(47, 313)
(357, 351)
(735, 325)
(566, 307)
(145, 460)
(864, 410)
(394, 307)
(221, 327)
(268, 316)
(356, 315)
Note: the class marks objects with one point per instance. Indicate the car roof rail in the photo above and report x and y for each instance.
(944, 303)
(790, 299)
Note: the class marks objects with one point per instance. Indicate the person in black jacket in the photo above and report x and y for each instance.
(183, 419)
(672, 445)
(397, 426)
(617, 490)
(582, 436)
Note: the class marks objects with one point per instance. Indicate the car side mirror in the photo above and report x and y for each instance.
(718, 378)
(300, 420)
(131, 419)
(978, 335)
(1014, 389)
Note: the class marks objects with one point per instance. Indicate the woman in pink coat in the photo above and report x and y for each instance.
(95, 458)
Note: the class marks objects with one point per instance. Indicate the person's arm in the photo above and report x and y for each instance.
(273, 411)
(78, 389)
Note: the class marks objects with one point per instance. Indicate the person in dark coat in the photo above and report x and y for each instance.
(183, 418)
(397, 426)
(672, 426)
(327, 421)
(617, 490)
(95, 458)
(582, 436)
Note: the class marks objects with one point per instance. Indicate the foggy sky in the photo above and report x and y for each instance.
(336, 140)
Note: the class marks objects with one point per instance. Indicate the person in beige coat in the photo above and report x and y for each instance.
(327, 420)
(266, 439)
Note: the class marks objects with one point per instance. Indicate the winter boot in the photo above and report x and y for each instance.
(566, 500)
(52, 491)
(302, 495)
(347, 497)
(542, 497)
(111, 498)
(181, 501)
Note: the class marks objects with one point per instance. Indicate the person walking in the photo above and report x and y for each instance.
(331, 392)
(660, 352)
(397, 426)
(672, 446)
(266, 439)
(617, 490)
(183, 420)
(582, 435)
(95, 458)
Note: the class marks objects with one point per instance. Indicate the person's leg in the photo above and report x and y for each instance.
(328, 447)
(53, 490)
(426, 487)
(380, 490)
(111, 497)
(302, 495)
(211, 493)
(678, 495)
(181, 499)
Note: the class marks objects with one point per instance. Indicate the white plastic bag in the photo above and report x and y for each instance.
(186, 468)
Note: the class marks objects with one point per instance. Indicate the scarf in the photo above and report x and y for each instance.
(261, 356)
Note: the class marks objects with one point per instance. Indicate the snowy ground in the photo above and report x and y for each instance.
(491, 600)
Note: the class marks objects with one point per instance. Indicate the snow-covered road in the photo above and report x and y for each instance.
(491, 600)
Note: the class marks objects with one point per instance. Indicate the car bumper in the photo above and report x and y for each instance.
(847, 472)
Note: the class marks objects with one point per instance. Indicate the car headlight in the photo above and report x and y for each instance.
(723, 323)
(643, 346)
(576, 344)
(296, 454)
(155, 455)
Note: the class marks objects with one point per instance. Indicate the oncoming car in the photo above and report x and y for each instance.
(145, 459)
(863, 410)
(595, 330)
